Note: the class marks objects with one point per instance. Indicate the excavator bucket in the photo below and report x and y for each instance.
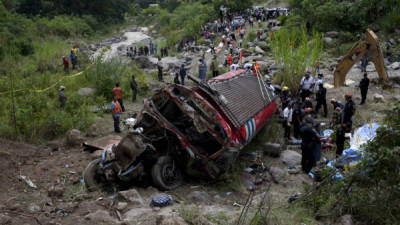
(359, 49)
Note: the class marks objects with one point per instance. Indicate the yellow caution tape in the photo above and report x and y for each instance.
(51, 86)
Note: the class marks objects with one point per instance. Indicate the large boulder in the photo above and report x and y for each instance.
(74, 138)
(395, 66)
(332, 34)
(328, 40)
(171, 63)
(144, 62)
(379, 98)
(131, 196)
(345, 220)
(272, 149)
(277, 174)
(290, 157)
(263, 66)
(259, 50)
(170, 220)
(86, 92)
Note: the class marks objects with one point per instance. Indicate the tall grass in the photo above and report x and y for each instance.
(296, 53)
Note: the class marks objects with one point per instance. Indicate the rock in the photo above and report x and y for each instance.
(250, 44)
(138, 214)
(4, 219)
(259, 50)
(328, 40)
(93, 47)
(34, 208)
(294, 170)
(395, 66)
(371, 68)
(55, 145)
(290, 157)
(272, 149)
(396, 98)
(199, 196)
(392, 41)
(170, 220)
(248, 180)
(171, 63)
(101, 216)
(277, 174)
(56, 192)
(345, 220)
(132, 196)
(332, 34)
(74, 138)
(121, 206)
(217, 198)
(145, 62)
(379, 98)
(86, 92)
(93, 131)
(273, 67)
(267, 177)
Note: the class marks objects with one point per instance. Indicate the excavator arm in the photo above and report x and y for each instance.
(359, 49)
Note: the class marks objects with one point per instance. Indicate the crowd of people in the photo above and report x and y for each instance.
(299, 114)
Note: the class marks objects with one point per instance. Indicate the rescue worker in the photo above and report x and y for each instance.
(176, 78)
(364, 63)
(160, 68)
(287, 123)
(348, 112)
(116, 113)
(285, 97)
(214, 68)
(308, 103)
(321, 100)
(340, 138)
(74, 51)
(306, 84)
(182, 72)
(364, 83)
(202, 69)
(336, 104)
(298, 115)
(230, 60)
(256, 67)
(307, 136)
(62, 96)
(317, 66)
(117, 92)
(73, 59)
(134, 87)
(66, 64)
(336, 117)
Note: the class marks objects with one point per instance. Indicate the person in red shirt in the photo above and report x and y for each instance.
(66, 64)
(230, 60)
(116, 114)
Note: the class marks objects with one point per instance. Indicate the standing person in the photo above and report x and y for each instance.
(134, 87)
(319, 81)
(160, 69)
(73, 59)
(317, 144)
(202, 70)
(182, 72)
(307, 84)
(116, 114)
(321, 100)
(364, 63)
(214, 68)
(298, 115)
(317, 66)
(287, 116)
(256, 67)
(66, 64)
(258, 34)
(340, 138)
(62, 96)
(74, 51)
(176, 78)
(285, 97)
(307, 135)
(348, 112)
(364, 83)
(117, 93)
(230, 60)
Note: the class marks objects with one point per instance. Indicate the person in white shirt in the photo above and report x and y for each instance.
(320, 80)
(233, 67)
(247, 65)
(287, 116)
(307, 86)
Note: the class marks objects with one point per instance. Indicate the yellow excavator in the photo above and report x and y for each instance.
(369, 47)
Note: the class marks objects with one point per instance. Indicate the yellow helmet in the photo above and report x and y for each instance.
(285, 88)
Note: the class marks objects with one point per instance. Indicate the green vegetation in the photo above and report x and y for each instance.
(370, 191)
(353, 16)
(291, 48)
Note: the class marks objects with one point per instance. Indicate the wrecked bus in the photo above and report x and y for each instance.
(184, 130)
